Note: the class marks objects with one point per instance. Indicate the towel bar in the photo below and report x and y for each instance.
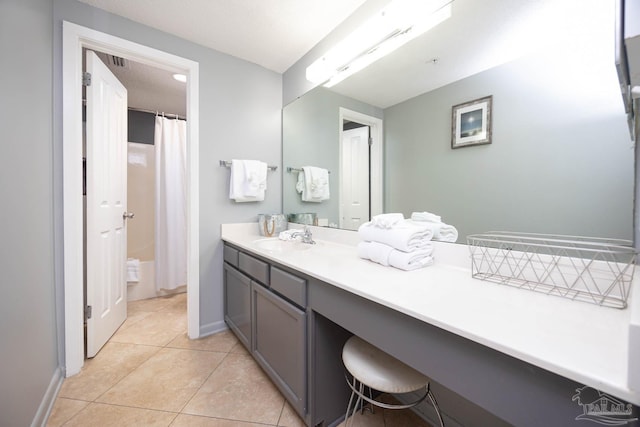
(290, 169)
(227, 164)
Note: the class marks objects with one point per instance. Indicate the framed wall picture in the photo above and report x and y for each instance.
(471, 123)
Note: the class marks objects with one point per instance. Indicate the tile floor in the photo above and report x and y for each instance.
(151, 374)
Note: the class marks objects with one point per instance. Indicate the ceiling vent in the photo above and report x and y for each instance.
(119, 62)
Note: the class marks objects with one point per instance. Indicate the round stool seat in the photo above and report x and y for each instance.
(378, 370)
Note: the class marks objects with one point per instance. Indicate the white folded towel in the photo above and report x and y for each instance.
(387, 220)
(133, 270)
(313, 184)
(238, 184)
(255, 179)
(387, 256)
(441, 231)
(405, 235)
(425, 216)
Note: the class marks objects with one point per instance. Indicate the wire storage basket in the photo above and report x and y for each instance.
(587, 269)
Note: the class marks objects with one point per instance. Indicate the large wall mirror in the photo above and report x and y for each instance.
(560, 159)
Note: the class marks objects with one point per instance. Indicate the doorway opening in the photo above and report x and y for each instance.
(75, 38)
(153, 178)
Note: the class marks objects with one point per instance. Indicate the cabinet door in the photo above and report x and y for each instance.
(237, 304)
(280, 331)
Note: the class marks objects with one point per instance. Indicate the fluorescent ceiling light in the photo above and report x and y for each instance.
(180, 77)
(396, 24)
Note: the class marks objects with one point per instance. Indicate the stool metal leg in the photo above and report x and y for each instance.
(353, 392)
(435, 405)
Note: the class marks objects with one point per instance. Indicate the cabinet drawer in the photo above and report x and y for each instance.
(231, 255)
(289, 286)
(255, 268)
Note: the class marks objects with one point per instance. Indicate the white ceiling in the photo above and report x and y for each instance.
(270, 33)
(276, 33)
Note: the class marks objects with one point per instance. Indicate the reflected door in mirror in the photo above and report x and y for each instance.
(354, 174)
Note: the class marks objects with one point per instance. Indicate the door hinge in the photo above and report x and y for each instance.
(84, 176)
(86, 79)
(370, 141)
(87, 312)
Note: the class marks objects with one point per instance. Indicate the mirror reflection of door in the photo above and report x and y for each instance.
(355, 178)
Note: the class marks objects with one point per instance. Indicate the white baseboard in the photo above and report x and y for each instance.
(49, 398)
(213, 328)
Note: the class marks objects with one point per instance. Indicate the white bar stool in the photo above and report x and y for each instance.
(375, 369)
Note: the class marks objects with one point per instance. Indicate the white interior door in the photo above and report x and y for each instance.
(106, 204)
(354, 178)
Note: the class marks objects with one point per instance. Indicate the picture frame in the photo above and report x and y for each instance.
(471, 122)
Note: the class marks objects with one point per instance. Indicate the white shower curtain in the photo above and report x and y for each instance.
(171, 203)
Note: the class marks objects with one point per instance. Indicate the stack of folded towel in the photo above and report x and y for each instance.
(441, 231)
(248, 180)
(391, 240)
(313, 184)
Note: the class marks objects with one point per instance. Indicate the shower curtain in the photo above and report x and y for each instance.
(170, 141)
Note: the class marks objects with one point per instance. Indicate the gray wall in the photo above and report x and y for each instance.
(560, 161)
(240, 117)
(29, 351)
(310, 137)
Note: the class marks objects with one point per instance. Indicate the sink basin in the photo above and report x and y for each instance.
(276, 245)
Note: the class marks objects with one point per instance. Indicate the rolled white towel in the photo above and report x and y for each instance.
(387, 256)
(287, 235)
(441, 231)
(387, 220)
(405, 235)
(447, 233)
(425, 216)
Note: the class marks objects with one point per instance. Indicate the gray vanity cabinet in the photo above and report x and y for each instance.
(237, 304)
(265, 307)
(279, 344)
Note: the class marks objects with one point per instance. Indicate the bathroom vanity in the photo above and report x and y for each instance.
(518, 357)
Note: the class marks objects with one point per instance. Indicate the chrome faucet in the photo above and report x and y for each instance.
(306, 235)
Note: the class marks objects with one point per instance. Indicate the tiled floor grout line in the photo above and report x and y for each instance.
(128, 373)
(203, 382)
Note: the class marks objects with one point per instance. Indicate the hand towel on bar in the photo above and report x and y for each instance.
(255, 180)
(387, 256)
(404, 236)
(237, 184)
(441, 231)
(316, 184)
(387, 220)
(425, 216)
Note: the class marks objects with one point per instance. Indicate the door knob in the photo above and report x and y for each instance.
(128, 215)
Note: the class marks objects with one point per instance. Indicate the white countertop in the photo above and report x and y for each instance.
(581, 341)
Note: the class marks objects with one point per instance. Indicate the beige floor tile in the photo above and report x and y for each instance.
(63, 409)
(151, 304)
(183, 420)
(238, 389)
(111, 364)
(177, 304)
(222, 341)
(290, 418)
(133, 318)
(157, 329)
(166, 381)
(97, 414)
(239, 349)
(366, 419)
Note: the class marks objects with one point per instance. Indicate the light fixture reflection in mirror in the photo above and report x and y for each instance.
(560, 160)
